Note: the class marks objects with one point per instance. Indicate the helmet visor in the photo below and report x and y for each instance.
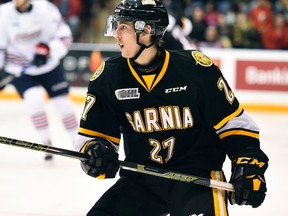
(112, 24)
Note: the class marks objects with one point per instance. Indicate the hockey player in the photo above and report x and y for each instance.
(175, 37)
(174, 110)
(33, 39)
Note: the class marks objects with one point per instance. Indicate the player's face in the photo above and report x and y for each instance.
(21, 4)
(126, 39)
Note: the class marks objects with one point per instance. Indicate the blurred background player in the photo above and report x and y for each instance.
(33, 40)
(176, 35)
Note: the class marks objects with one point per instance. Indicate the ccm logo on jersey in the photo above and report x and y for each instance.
(175, 89)
(127, 94)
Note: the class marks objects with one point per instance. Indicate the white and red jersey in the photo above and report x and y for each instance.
(22, 31)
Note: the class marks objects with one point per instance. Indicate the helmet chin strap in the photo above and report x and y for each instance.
(142, 47)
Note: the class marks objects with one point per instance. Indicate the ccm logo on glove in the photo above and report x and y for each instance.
(248, 178)
(248, 160)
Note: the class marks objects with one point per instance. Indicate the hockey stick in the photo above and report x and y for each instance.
(123, 164)
(5, 81)
(10, 77)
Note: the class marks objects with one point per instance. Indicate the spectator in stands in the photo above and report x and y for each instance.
(244, 34)
(211, 13)
(211, 38)
(281, 6)
(71, 11)
(199, 25)
(87, 12)
(190, 5)
(223, 5)
(261, 16)
(243, 6)
(224, 30)
(202, 13)
(276, 36)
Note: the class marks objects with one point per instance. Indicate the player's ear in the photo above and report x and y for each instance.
(145, 37)
(147, 29)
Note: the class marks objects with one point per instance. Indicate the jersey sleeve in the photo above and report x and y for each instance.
(238, 134)
(98, 118)
(222, 110)
(217, 100)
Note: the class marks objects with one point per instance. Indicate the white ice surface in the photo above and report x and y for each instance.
(28, 187)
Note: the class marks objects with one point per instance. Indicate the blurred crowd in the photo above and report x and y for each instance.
(253, 24)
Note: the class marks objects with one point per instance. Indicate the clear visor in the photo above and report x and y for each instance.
(112, 24)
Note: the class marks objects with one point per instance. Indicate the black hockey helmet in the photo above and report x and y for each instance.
(141, 13)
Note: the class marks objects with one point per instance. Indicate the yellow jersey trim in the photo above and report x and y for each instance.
(101, 176)
(239, 132)
(159, 77)
(219, 196)
(227, 118)
(98, 134)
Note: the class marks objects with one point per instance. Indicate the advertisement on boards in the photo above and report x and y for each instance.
(262, 75)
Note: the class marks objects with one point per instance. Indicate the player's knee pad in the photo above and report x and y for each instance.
(62, 104)
(34, 100)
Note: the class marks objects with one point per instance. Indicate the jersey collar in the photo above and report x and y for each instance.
(157, 79)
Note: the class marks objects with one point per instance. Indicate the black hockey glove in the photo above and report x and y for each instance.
(248, 178)
(5, 78)
(41, 54)
(103, 162)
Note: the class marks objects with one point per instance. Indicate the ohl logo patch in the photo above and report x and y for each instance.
(201, 59)
(127, 94)
(98, 72)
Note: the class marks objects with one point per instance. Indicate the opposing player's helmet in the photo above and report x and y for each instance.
(141, 13)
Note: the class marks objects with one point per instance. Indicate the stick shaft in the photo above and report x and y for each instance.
(43, 148)
(176, 176)
(123, 164)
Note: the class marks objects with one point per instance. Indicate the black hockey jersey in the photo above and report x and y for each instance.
(168, 119)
